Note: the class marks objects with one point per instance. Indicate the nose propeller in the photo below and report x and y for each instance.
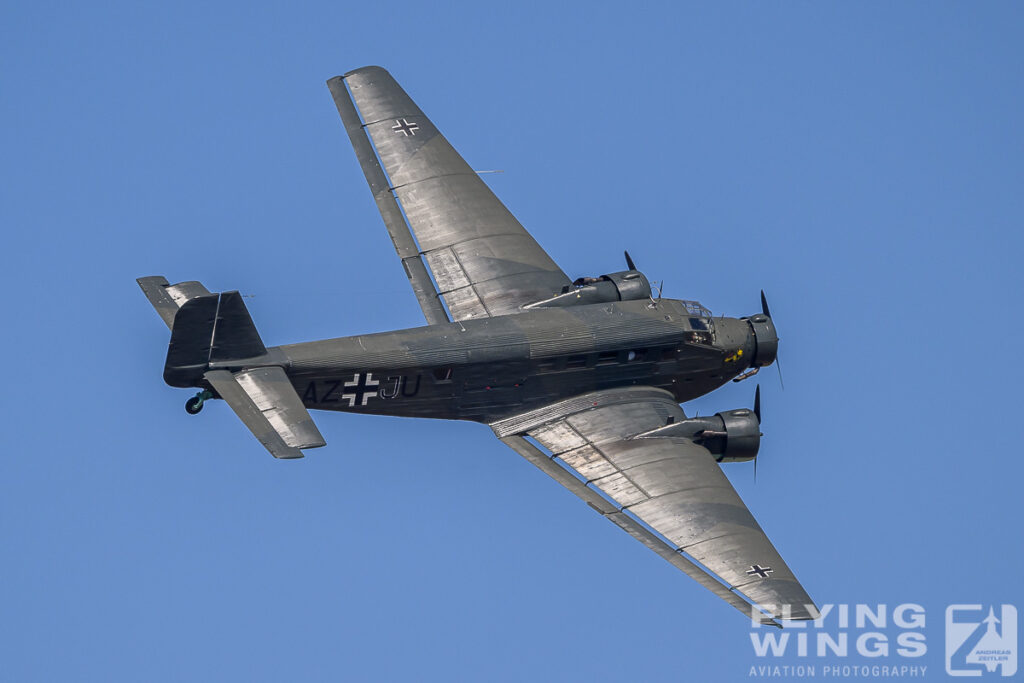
(778, 361)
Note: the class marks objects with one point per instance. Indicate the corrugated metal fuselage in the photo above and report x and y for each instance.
(490, 368)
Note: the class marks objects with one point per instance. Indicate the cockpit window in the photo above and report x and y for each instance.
(700, 338)
(698, 324)
(695, 308)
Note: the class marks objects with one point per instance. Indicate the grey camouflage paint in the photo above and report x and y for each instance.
(582, 379)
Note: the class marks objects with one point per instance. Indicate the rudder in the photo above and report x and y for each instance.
(208, 329)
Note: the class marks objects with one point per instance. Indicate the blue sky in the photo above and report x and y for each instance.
(861, 162)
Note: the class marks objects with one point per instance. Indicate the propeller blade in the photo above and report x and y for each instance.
(629, 261)
(757, 413)
(778, 361)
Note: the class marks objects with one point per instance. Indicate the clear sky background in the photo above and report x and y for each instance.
(861, 162)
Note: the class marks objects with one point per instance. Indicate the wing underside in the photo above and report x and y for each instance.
(483, 261)
(667, 492)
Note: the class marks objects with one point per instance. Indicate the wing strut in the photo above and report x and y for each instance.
(398, 229)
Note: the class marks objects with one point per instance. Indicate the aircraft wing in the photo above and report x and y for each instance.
(667, 492)
(483, 261)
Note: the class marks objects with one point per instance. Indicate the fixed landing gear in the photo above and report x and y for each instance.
(195, 404)
(748, 373)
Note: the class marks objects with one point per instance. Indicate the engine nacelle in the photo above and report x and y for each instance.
(629, 284)
(742, 435)
(625, 285)
(731, 436)
(766, 340)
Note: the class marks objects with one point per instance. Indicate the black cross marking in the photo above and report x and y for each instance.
(763, 572)
(404, 127)
(361, 389)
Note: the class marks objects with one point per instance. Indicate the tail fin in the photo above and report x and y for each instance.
(217, 328)
(207, 329)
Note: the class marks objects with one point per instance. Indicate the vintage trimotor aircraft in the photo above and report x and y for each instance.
(582, 378)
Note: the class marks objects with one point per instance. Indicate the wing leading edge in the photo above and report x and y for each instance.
(668, 493)
(483, 261)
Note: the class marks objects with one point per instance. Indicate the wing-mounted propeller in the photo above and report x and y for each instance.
(659, 286)
(625, 285)
(757, 414)
(731, 435)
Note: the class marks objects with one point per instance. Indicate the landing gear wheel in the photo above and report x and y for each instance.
(195, 404)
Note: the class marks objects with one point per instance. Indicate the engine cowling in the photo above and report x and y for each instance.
(625, 285)
(629, 284)
(731, 436)
(742, 435)
(766, 340)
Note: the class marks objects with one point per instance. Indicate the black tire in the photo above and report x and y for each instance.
(193, 405)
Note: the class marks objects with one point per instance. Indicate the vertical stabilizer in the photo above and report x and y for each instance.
(210, 328)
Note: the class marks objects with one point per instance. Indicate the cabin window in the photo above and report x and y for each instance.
(576, 362)
(548, 364)
(635, 355)
(443, 374)
(607, 357)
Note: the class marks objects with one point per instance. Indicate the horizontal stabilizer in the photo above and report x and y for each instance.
(267, 403)
(167, 298)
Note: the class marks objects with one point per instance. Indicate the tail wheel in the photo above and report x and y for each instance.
(194, 405)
